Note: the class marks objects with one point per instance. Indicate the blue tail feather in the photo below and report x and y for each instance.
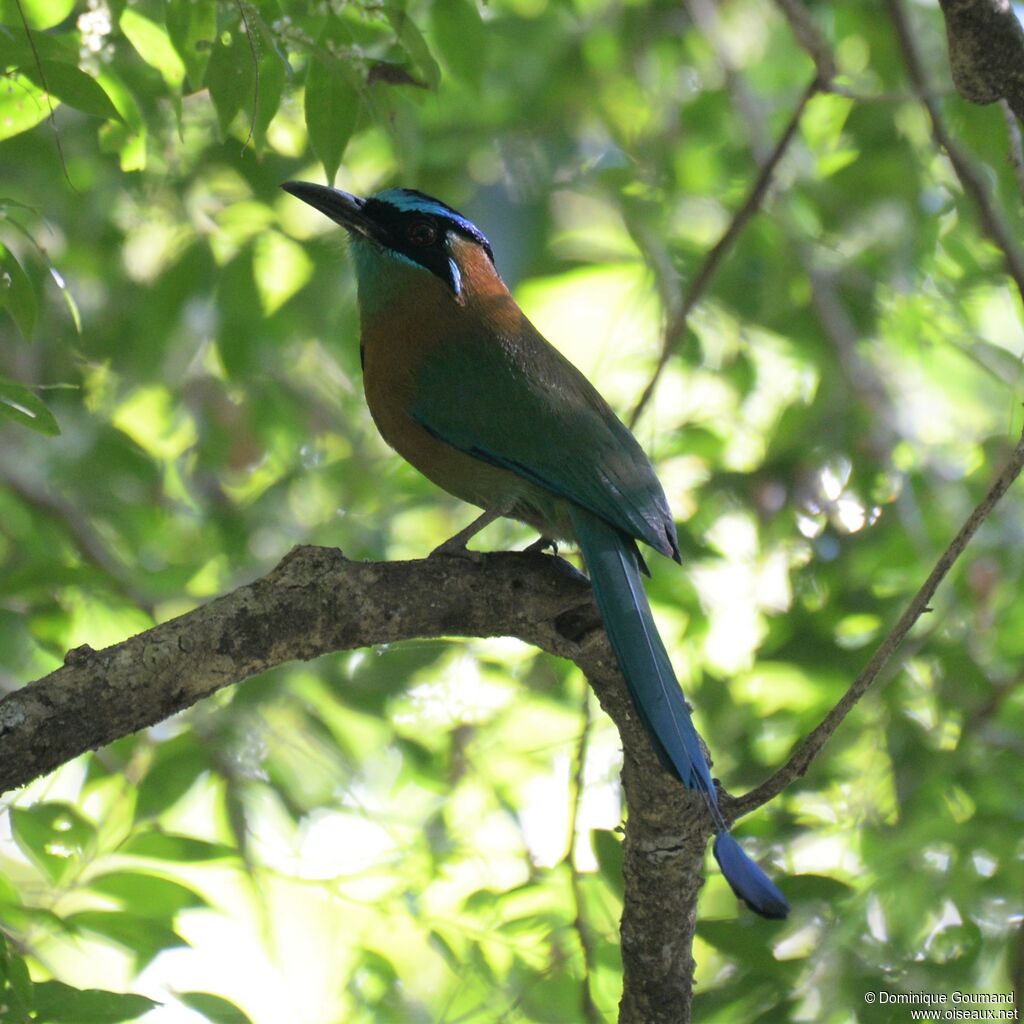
(614, 564)
(748, 881)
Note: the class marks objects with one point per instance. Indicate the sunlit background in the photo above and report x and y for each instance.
(427, 833)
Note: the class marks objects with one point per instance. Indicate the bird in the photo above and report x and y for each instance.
(463, 386)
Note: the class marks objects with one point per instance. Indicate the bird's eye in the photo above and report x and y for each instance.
(422, 232)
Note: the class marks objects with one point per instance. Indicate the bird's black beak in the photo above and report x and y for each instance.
(342, 207)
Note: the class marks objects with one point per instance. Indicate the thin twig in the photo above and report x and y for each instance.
(886, 96)
(798, 764)
(970, 176)
(809, 36)
(46, 92)
(677, 325)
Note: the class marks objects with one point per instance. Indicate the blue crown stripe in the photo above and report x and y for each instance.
(407, 200)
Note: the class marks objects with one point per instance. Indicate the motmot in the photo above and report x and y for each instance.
(460, 383)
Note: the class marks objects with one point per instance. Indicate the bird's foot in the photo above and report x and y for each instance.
(455, 547)
(542, 544)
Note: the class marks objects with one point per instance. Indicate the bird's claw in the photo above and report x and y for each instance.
(455, 547)
(542, 544)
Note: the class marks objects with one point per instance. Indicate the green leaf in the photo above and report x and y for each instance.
(192, 27)
(8, 892)
(57, 1003)
(414, 44)
(170, 847)
(609, 854)
(215, 1009)
(154, 46)
(824, 118)
(147, 895)
(142, 935)
(461, 37)
(552, 998)
(745, 944)
(16, 294)
(40, 14)
(123, 99)
(71, 85)
(332, 107)
(229, 76)
(22, 105)
(241, 314)
(444, 948)
(15, 984)
(801, 888)
(54, 836)
(129, 146)
(22, 406)
(176, 766)
(267, 97)
(246, 74)
(281, 268)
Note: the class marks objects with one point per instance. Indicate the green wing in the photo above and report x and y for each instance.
(526, 408)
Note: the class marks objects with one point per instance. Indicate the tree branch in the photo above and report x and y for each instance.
(316, 602)
(805, 754)
(986, 51)
(663, 872)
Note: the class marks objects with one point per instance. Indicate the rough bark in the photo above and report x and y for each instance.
(663, 872)
(986, 51)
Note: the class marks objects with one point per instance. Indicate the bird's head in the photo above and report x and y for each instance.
(408, 228)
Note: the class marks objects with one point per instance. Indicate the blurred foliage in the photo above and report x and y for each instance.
(397, 835)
